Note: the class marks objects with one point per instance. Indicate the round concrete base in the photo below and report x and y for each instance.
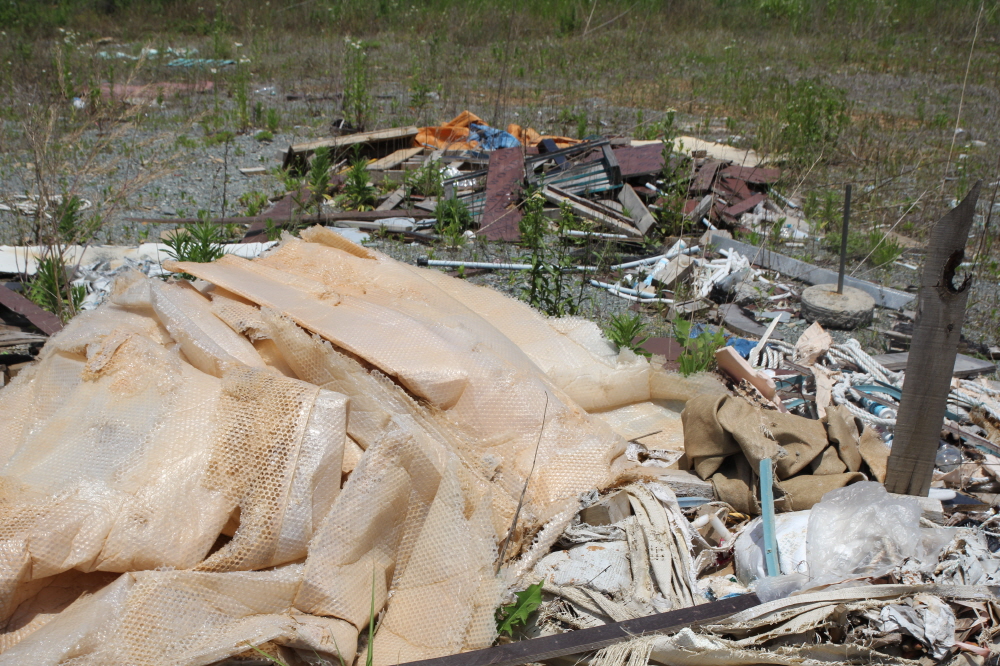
(849, 310)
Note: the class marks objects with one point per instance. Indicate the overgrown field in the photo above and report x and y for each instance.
(868, 92)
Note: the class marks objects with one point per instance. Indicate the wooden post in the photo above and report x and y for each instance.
(940, 314)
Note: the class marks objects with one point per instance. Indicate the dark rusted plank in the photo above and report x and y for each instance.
(936, 332)
(46, 322)
(640, 160)
(735, 188)
(501, 215)
(614, 169)
(755, 175)
(588, 640)
(743, 206)
(705, 176)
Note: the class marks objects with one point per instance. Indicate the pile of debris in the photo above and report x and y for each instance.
(294, 449)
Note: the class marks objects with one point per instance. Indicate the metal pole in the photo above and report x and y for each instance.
(843, 239)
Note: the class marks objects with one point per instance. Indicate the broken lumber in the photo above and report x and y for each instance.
(800, 270)
(589, 210)
(394, 159)
(637, 210)
(595, 638)
(378, 136)
(936, 333)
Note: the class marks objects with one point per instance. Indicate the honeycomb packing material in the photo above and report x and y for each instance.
(174, 486)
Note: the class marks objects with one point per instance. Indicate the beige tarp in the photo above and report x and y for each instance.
(172, 469)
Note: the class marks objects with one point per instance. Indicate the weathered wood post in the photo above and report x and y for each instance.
(940, 314)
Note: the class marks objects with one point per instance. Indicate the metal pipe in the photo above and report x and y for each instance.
(619, 289)
(422, 261)
(843, 239)
(595, 234)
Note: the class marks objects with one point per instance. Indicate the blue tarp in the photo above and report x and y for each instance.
(491, 138)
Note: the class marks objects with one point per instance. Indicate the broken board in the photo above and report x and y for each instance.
(965, 366)
(631, 202)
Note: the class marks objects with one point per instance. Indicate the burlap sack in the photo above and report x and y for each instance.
(726, 437)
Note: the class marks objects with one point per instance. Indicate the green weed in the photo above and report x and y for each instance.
(51, 290)
(319, 176)
(514, 615)
(550, 287)
(625, 331)
(272, 121)
(453, 220)
(358, 192)
(359, 106)
(264, 135)
(698, 353)
(200, 242)
(253, 202)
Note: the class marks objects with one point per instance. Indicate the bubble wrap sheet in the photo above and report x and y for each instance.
(259, 458)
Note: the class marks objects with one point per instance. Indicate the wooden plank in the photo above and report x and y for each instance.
(501, 217)
(46, 322)
(705, 176)
(595, 638)
(393, 199)
(587, 209)
(15, 338)
(965, 366)
(800, 270)
(394, 159)
(614, 169)
(755, 175)
(640, 215)
(640, 160)
(936, 333)
(743, 206)
(378, 136)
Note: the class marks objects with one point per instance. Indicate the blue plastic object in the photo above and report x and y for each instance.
(767, 517)
(491, 138)
(742, 346)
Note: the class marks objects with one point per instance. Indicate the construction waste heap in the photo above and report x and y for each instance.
(316, 454)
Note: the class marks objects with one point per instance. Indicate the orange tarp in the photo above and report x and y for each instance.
(454, 134)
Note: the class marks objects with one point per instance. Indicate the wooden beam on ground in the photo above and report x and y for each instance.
(378, 136)
(936, 333)
(394, 159)
(393, 199)
(46, 322)
(965, 366)
(595, 638)
(637, 210)
(501, 216)
(591, 211)
(800, 270)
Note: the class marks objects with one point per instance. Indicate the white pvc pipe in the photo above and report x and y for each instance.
(482, 264)
(621, 290)
(595, 234)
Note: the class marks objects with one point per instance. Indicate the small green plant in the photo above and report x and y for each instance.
(514, 615)
(358, 192)
(626, 332)
(319, 176)
(426, 181)
(533, 222)
(200, 242)
(697, 353)
(359, 107)
(272, 121)
(51, 289)
(886, 250)
(550, 287)
(253, 202)
(453, 220)
(186, 142)
(264, 135)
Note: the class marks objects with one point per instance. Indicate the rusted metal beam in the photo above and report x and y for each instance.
(46, 322)
(501, 216)
(936, 332)
(588, 640)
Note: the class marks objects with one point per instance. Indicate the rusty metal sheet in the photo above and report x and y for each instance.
(705, 176)
(501, 216)
(735, 187)
(640, 160)
(738, 209)
(755, 175)
(46, 322)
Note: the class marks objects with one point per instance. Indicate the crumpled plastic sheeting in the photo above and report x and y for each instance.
(154, 462)
(926, 618)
